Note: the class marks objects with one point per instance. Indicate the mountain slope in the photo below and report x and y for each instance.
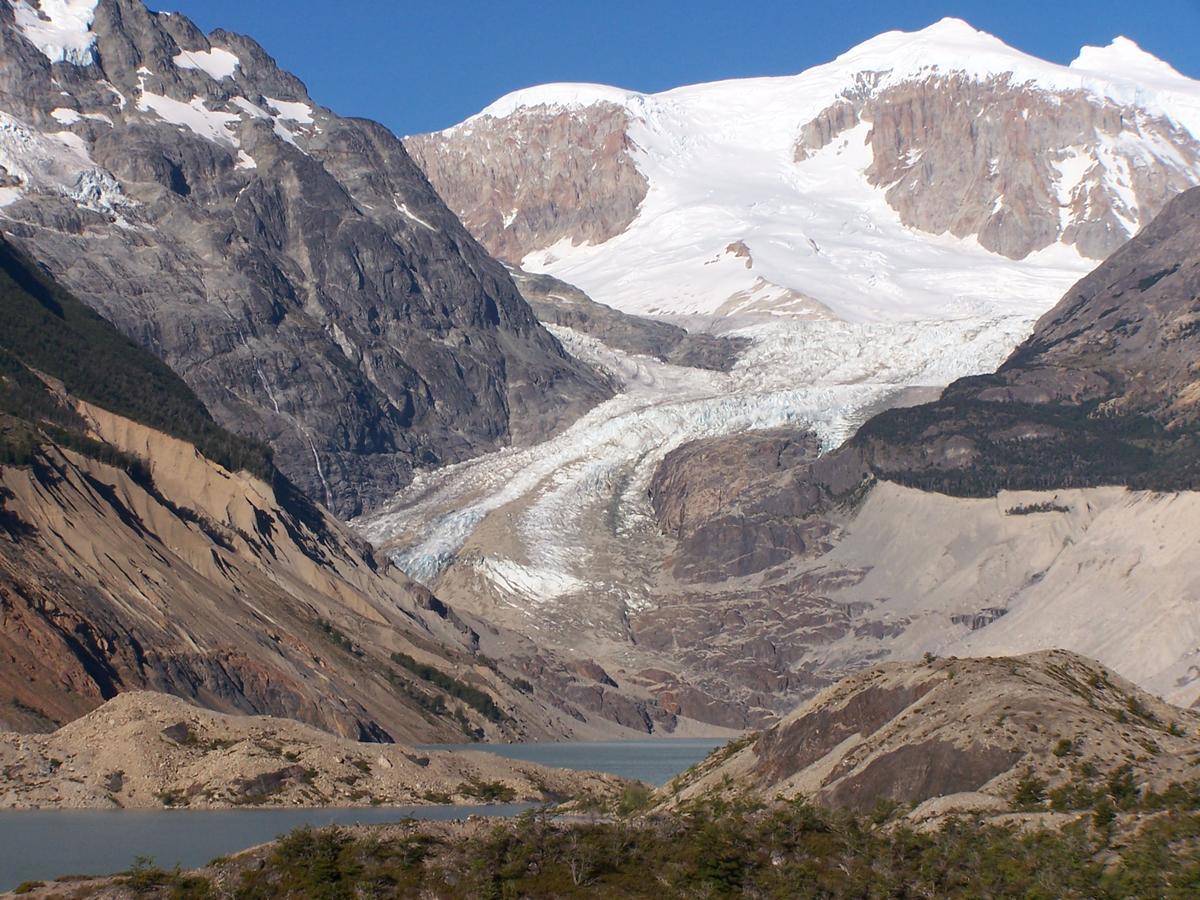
(1050, 504)
(964, 734)
(293, 266)
(1105, 391)
(132, 559)
(917, 175)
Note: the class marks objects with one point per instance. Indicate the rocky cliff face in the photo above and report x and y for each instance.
(545, 175)
(555, 302)
(295, 267)
(1017, 167)
(1105, 391)
(962, 734)
(142, 547)
(736, 505)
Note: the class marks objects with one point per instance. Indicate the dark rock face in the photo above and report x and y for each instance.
(1105, 391)
(557, 303)
(737, 505)
(787, 749)
(917, 772)
(295, 267)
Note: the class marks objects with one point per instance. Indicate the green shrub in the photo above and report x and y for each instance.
(475, 698)
(635, 797)
(1030, 792)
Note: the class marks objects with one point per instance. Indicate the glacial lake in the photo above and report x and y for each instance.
(654, 762)
(40, 845)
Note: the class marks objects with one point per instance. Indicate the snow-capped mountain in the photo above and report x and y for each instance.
(918, 175)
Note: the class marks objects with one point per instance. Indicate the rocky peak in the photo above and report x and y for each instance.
(295, 267)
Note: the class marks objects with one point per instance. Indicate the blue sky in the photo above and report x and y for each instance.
(421, 66)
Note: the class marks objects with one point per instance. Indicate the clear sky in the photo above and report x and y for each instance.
(420, 66)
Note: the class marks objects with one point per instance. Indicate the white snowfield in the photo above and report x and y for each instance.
(719, 160)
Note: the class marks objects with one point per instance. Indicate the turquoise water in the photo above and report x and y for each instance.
(44, 844)
(654, 762)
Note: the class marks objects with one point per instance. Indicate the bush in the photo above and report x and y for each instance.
(635, 798)
(475, 698)
(1030, 793)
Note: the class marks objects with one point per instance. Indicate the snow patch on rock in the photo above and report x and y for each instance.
(216, 63)
(195, 116)
(300, 113)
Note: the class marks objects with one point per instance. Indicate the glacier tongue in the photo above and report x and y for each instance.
(533, 517)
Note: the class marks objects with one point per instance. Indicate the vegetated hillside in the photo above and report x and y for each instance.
(984, 735)
(1105, 391)
(292, 265)
(144, 547)
(48, 331)
(144, 750)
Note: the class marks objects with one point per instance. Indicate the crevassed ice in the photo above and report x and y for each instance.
(592, 478)
(61, 29)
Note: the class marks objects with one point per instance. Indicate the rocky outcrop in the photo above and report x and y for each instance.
(962, 734)
(1017, 166)
(555, 302)
(295, 267)
(545, 174)
(149, 751)
(738, 505)
(1105, 391)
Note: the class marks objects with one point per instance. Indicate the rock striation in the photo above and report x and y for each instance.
(961, 735)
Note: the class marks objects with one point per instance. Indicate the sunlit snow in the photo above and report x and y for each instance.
(720, 164)
(216, 63)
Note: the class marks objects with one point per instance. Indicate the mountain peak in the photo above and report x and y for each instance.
(1124, 58)
(562, 94)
